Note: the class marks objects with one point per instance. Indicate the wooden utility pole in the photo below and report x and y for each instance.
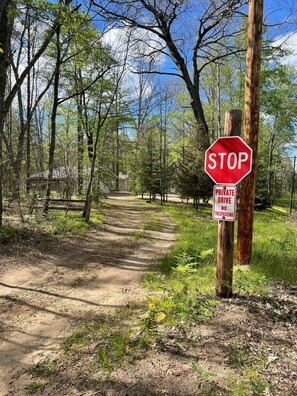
(251, 129)
(224, 274)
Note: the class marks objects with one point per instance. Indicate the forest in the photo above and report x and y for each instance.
(90, 96)
(108, 249)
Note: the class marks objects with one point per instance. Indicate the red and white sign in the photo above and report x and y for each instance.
(224, 203)
(228, 160)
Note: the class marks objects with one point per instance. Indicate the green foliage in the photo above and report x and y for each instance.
(253, 384)
(34, 387)
(191, 180)
(200, 372)
(236, 356)
(9, 234)
(76, 341)
(196, 240)
(62, 225)
(72, 223)
(249, 282)
(181, 301)
(45, 369)
(274, 249)
(112, 344)
(115, 351)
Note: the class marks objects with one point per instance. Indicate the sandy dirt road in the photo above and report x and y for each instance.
(48, 289)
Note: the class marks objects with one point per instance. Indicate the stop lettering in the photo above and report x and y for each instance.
(228, 160)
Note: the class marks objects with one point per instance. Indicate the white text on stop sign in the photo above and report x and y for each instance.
(234, 160)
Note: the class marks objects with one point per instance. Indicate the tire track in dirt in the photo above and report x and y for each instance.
(96, 274)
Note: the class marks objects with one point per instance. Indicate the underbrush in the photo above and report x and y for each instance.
(10, 234)
(57, 223)
(274, 248)
(108, 342)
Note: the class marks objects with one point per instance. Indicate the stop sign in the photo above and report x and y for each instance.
(228, 160)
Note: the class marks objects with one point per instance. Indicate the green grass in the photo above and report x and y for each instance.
(34, 387)
(197, 235)
(45, 369)
(72, 223)
(10, 234)
(274, 246)
(151, 222)
(110, 344)
(252, 383)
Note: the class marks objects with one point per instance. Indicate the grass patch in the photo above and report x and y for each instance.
(252, 383)
(10, 234)
(109, 344)
(152, 221)
(72, 223)
(45, 369)
(139, 234)
(274, 247)
(196, 239)
(34, 387)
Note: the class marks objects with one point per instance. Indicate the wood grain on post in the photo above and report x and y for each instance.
(225, 248)
(251, 130)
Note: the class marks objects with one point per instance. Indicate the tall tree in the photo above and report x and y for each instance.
(208, 30)
(5, 34)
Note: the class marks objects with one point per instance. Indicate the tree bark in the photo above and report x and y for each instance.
(5, 35)
(53, 122)
(251, 130)
(80, 145)
(225, 249)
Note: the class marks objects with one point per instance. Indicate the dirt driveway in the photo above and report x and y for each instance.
(46, 289)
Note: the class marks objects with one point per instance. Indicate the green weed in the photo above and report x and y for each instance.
(152, 221)
(252, 384)
(139, 234)
(64, 225)
(34, 387)
(76, 341)
(249, 282)
(274, 247)
(111, 344)
(10, 234)
(46, 369)
(200, 372)
(236, 356)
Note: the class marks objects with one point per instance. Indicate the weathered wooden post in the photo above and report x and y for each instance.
(251, 129)
(225, 248)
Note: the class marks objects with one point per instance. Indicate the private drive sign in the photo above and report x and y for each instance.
(224, 203)
(228, 160)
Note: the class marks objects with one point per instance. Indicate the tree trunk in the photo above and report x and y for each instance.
(5, 34)
(251, 131)
(225, 248)
(53, 124)
(270, 159)
(87, 208)
(80, 146)
(28, 121)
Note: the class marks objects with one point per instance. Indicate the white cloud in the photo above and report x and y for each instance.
(137, 47)
(288, 42)
(138, 42)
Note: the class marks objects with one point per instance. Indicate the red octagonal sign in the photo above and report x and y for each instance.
(228, 160)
